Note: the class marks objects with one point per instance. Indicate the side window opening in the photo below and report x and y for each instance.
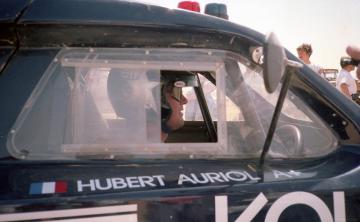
(200, 111)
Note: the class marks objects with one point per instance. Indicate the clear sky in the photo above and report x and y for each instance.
(328, 25)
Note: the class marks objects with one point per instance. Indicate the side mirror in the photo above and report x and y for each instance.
(275, 62)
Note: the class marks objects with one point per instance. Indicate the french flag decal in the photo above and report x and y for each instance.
(48, 187)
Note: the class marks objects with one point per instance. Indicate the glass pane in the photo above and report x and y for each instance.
(102, 103)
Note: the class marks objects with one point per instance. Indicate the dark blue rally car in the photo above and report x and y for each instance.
(122, 111)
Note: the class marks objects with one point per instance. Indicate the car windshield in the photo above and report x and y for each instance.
(114, 103)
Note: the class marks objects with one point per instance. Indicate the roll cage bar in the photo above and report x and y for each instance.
(204, 107)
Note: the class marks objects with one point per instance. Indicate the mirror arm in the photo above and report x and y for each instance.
(205, 111)
(275, 117)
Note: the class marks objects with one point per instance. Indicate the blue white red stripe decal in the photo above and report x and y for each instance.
(48, 187)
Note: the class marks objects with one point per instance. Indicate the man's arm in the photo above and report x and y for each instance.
(345, 89)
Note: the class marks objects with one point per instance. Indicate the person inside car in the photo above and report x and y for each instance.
(173, 100)
(126, 97)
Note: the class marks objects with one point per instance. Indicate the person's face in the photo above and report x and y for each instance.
(352, 68)
(176, 103)
(349, 68)
(302, 55)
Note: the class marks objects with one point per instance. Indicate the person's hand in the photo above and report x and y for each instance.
(353, 51)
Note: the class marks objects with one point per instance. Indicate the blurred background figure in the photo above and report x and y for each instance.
(304, 52)
(354, 53)
(344, 81)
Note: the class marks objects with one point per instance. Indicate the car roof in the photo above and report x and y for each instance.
(124, 13)
(51, 14)
(11, 10)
